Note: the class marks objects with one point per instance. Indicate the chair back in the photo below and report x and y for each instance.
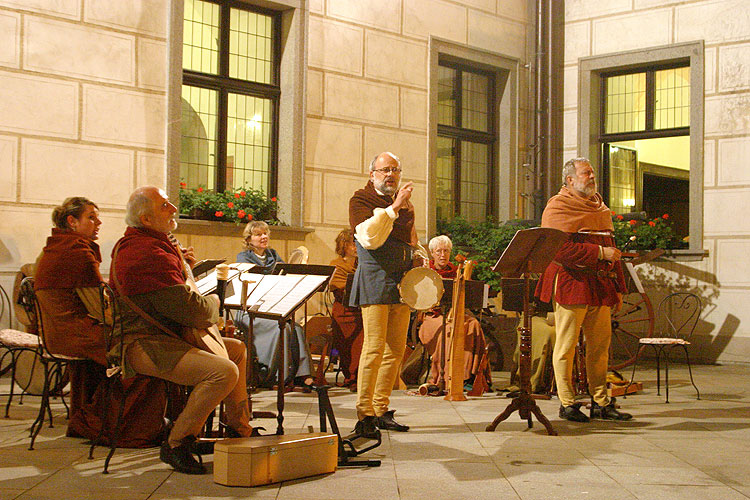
(5, 314)
(110, 319)
(27, 301)
(299, 255)
(678, 314)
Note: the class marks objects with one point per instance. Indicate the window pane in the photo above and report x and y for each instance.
(625, 106)
(622, 177)
(248, 142)
(446, 159)
(198, 155)
(446, 96)
(672, 106)
(251, 46)
(474, 101)
(475, 200)
(201, 37)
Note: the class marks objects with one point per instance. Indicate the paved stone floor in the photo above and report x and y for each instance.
(687, 449)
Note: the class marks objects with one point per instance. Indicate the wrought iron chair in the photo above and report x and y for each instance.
(299, 255)
(54, 364)
(15, 342)
(678, 314)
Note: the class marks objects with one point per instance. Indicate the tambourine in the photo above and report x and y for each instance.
(421, 288)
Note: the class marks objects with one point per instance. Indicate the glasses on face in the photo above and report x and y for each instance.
(442, 251)
(388, 170)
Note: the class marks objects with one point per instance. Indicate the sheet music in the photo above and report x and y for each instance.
(252, 279)
(208, 283)
(282, 286)
(306, 284)
(243, 267)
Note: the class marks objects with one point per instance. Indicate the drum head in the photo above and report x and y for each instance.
(421, 288)
(30, 373)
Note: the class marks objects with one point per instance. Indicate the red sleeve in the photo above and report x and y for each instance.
(573, 254)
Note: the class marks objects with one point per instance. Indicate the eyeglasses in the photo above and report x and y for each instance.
(388, 170)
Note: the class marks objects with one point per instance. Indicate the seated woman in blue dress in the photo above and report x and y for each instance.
(266, 331)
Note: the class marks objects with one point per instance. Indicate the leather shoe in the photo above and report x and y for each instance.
(202, 447)
(181, 458)
(386, 421)
(367, 428)
(609, 412)
(573, 413)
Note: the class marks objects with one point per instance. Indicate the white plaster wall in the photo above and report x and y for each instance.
(82, 112)
(594, 27)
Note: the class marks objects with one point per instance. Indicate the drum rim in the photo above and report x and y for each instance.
(434, 275)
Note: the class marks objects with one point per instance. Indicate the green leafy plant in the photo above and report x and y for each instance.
(238, 205)
(649, 234)
(483, 243)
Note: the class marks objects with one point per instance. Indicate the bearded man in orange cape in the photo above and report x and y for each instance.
(585, 282)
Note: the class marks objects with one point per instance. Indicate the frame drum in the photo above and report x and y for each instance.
(421, 288)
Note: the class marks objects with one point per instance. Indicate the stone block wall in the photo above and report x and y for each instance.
(83, 110)
(723, 279)
(367, 92)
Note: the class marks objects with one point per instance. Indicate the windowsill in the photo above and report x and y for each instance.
(686, 255)
(214, 228)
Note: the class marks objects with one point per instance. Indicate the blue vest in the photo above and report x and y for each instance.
(379, 272)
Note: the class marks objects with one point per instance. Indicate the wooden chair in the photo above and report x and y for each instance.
(677, 315)
(54, 364)
(320, 340)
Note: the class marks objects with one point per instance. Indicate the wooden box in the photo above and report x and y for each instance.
(270, 459)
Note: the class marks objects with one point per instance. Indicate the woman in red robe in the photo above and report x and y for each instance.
(432, 326)
(347, 329)
(66, 282)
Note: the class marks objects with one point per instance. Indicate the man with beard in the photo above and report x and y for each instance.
(156, 305)
(382, 220)
(585, 280)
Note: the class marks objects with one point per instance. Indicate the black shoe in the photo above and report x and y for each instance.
(367, 428)
(181, 458)
(573, 413)
(386, 421)
(609, 412)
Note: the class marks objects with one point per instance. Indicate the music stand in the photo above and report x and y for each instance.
(530, 251)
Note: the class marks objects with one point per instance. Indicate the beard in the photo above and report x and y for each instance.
(588, 189)
(385, 188)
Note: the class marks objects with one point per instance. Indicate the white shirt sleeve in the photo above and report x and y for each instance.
(372, 233)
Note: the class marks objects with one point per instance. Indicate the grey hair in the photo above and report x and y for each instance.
(440, 241)
(569, 169)
(372, 163)
(138, 205)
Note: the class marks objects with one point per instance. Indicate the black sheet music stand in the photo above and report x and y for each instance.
(530, 251)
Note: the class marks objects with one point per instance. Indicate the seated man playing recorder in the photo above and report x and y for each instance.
(157, 305)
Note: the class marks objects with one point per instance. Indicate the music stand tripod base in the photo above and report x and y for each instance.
(347, 450)
(530, 251)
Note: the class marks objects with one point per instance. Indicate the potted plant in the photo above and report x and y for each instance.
(236, 205)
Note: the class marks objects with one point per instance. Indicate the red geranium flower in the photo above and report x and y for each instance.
(665, 216)
(200, 190)
(620, 217)
(242, 193)
(236, 195)
(632, 222)
(230, 205)
(206, 203)
(183, 185)
(273, 199)
(219, 213)
(651, 223)
(249, 216)
(613, 212)
(240, 214)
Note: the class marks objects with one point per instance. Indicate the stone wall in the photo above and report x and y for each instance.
(367, 92)
(83, 93)
(723, 279)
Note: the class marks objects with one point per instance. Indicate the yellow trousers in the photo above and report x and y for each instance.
(385, 329)
(597, 331)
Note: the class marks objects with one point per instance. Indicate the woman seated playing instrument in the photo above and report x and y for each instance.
(430, 333)
(347, 328)
(256, 237)
(66, 282)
